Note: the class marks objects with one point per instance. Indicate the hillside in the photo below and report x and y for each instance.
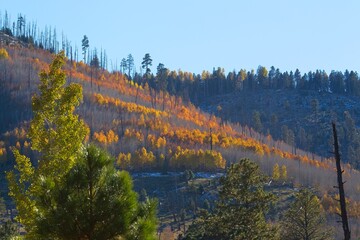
(299, 118)
(149, 130)
(119, 111)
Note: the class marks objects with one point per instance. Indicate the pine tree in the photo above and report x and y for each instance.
(96, 201)
(129, 64)
(257, 121)
(123, 65)
(240, 211)
(161, 77)
(305, 219)
(85, 46)
(8, 230)
(146, 63)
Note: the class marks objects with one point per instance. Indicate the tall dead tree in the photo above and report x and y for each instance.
(343, 214)
(211, 140)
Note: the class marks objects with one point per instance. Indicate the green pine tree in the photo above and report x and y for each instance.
(240, 211)
(305, 219)
(97, 202)
(8, 230)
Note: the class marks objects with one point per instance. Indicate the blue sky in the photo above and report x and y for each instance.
(196, 35)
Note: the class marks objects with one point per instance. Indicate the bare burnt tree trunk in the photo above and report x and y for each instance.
(137, 93)
(163, 108)
(340, 186)
(91, 78)
(211, 140)
(121, 113)
(155, 97)
(29, 76)
(91, 122)
(71, 63)
(151, 96)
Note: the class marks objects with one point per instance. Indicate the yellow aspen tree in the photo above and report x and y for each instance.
(276, 172)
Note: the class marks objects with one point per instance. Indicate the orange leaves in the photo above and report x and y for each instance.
(100, 137)
(130, 107)
(101, 99)
(18, 133)
(213, 122)
(73, 66)
(191, 114)
(181, 124)
(141, 159)
(197, 160)
(160, 142)
(141, 121)
(3, 53)
(154, 123)
(191, 137)
(124, 160)
(81, 64)
(225, 142)
(80, 75)
(3, 155)
(26, 144)
(156, 143)
(112, 137)
(331, 205)
(279, 173)
(197, 137)
(2, 151)
(2, 148)
(132, 133)
(102, 77)
(106, 138)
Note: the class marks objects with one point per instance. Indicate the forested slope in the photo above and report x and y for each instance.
(149, 129)
(145, 128)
